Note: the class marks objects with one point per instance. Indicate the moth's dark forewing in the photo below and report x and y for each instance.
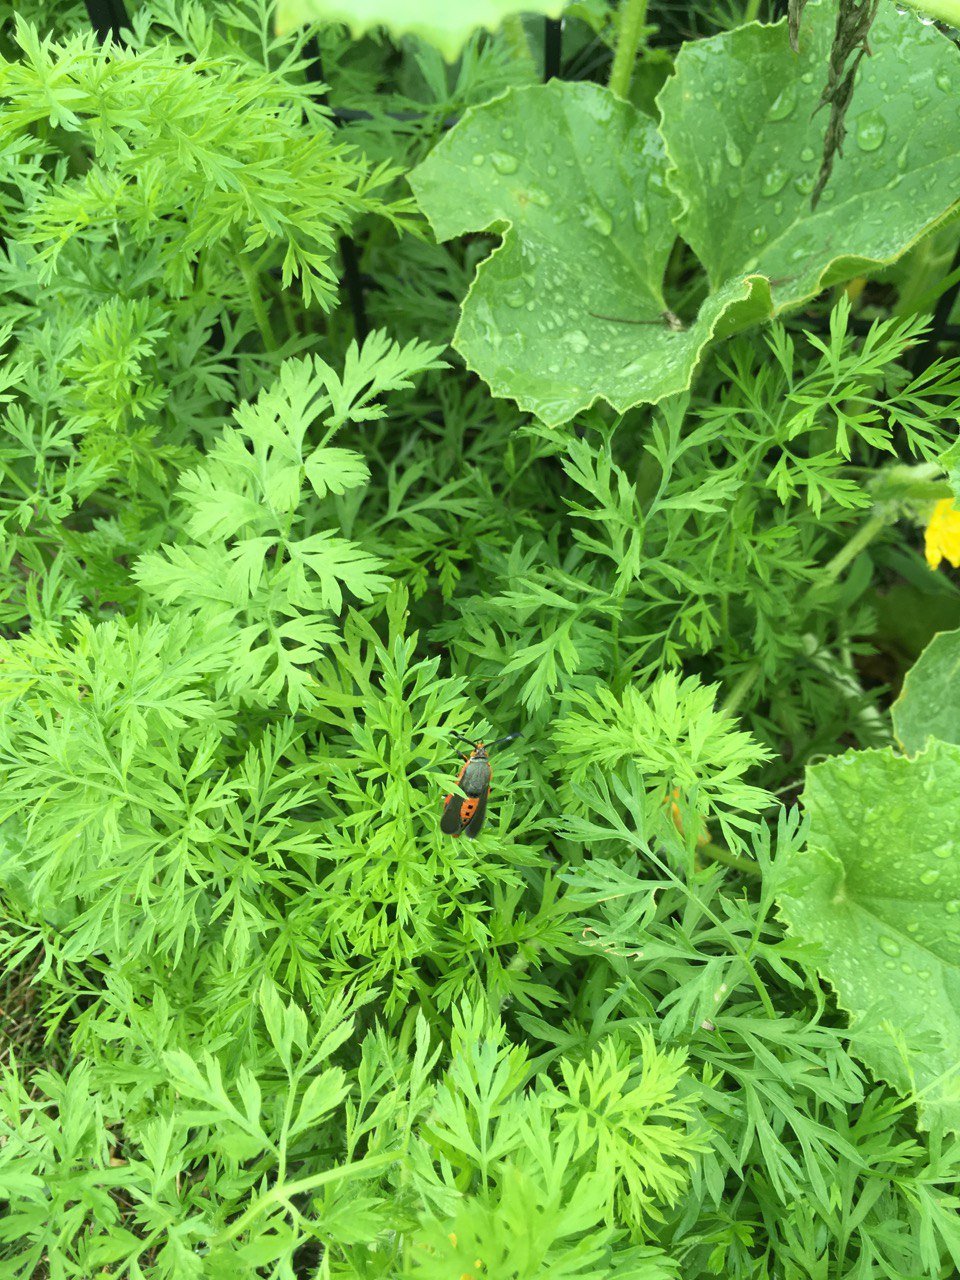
(475, 779)
(466, 812)
(472, 828)
(450, 823)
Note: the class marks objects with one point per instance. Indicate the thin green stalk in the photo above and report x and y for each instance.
(285, 1130)
(633, 16)
(745, 682)
(293, 328)
(752, 11)
(516, 41)
(716, 853)
(862, 538)
(283, 1194)
(947, 11)
(8, 474)
(830, 572)
(731, 937)
(256, 303)
(731, 551)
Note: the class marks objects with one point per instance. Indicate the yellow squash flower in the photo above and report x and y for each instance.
(942, 538)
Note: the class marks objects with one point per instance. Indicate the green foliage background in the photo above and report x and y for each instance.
(257, 568)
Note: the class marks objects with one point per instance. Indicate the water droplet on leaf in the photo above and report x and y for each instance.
(578, 340)
(784, 103)
(504, 162)
(733, 153)
(871, 131)
(889, 945)
(596, 218)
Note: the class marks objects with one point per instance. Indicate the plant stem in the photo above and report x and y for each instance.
(293, 330)
(862, 538)
(830, 572)
(282, 1193)
(516, 41)
(731, 552)
(633, 16)
(734, 943)
(256, 303)
(745, 682)
(752, 10)
(947, 11)
(716, 853)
